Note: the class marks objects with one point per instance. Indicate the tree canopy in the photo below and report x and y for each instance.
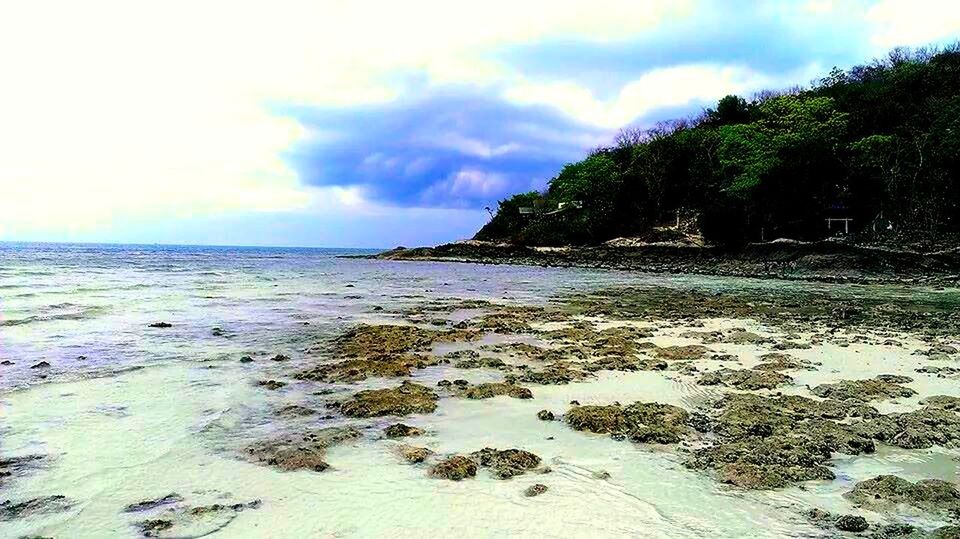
(878, 143)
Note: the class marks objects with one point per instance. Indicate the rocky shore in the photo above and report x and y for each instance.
(830, 261)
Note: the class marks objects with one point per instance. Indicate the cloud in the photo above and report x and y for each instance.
(451, 148)
(120, 110)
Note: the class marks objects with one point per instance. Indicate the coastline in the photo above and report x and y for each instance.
(824, 261)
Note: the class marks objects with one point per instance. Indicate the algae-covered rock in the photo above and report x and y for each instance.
(767, 443)
(413, 454)
(558, 373)
(851, 523)
(919, 429)
(408, 398)
(745, 379)
(545, 415)
(399, 430)
(369, 341)
(640, 421)
(481, 363)
(506, 463)
(454, 468)
(879, 388)
(304, 451)
(680, 353)
(494, 389)
(885, 492)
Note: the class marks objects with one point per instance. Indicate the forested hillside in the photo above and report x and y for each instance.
(878, 144)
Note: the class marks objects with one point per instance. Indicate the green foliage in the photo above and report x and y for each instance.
(879, 142)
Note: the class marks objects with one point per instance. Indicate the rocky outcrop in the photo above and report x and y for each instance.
(406, 399)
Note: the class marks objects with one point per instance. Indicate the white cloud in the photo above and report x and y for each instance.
(913, 22)
(660, 88)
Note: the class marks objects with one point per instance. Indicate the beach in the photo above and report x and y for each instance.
(267, 392)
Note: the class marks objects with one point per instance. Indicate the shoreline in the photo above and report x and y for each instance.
(825, 261)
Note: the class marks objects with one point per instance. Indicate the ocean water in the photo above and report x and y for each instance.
(127, 412)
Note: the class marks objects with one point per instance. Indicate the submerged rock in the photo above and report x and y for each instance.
(198, 521)
(408, 398)
(885, 492)
(10, 510)
(879, 388)
(305, 451)
(455, 468)
(506, 463)
(147, 505)
(399, 430)
(272, 385)
(160, 325)
(295, 410)
(535, 490)
(640, 421)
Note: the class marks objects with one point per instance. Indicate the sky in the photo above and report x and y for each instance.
(370, 124)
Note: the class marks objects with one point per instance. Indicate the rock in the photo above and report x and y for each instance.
(43, 505)
(305, 451)
(507, 463)
(280, 357)
(154, 526)
(40, 365)
(558, 373)
(193, 521)
(641, 422)
(272, 385)
(246, 359)
(680, 353)
(356, 370)
(769, 443)
(413, 454)
(487, 362)
(399, 430)
(495, 389)
(545, 415)
(161, 325)
(217, 332)
(601, 474)
(946, 402)
(887, 491)
(851, 523)
(378, 341)
(745, 379)
(147, 505)
(408, 398)
(878, 388)
(295, 410)
(535, 490)
(7, 362)
(455, 468)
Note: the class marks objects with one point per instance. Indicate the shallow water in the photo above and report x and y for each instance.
(127, 412)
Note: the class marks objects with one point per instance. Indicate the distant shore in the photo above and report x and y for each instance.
(827, 261)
